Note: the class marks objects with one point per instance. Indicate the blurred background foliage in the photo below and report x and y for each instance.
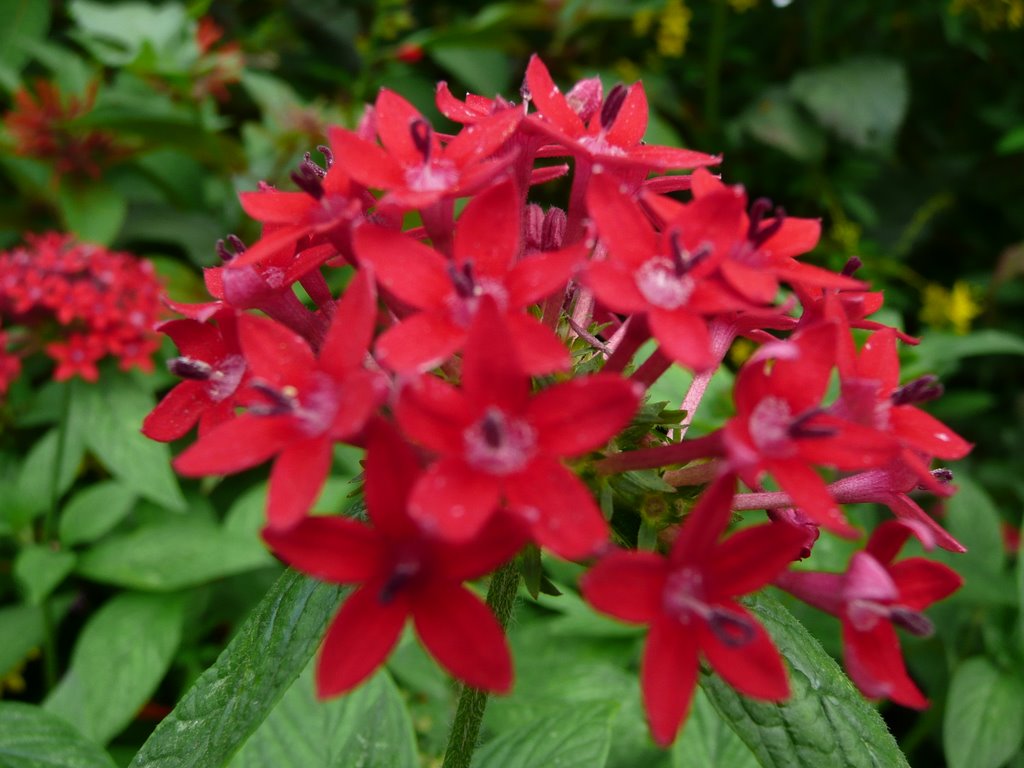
(900, 124)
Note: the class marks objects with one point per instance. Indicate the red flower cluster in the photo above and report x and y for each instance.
(79, 303)
(43, 126)
(480, 359)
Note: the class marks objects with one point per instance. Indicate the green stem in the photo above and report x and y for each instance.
(501, 597)
(47, 535)
(713, 77)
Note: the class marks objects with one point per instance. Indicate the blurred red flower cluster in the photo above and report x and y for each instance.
(78, 303)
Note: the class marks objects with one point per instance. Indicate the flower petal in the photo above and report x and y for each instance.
(453, 500)
(416, 274)
(358, 640)
(621, 225)
(498, 541)
(434, 414)
(668, 676)
(539, 275)
(754, 668)
(364, 161)
(419, 343)
(683, 337)
(627, 585)
(275, 354)
(922, 582)
(811, 495)
(582, 414)
(351, 329)
(875, 663)
(537, 348)
(333, 549)
(392, 468)
(753, 557)
(464, 636)
(298, 475)
(235, 445)
(177, 413)
(487, 233)
(548, 100)
(559, 508)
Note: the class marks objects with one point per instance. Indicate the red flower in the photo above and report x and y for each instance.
(412, 166)
(448, 292)
(666, 275)
(872, 596)
(871, 395)
(689, 599)
(213, 369)
(763, 248)
(615, 132)
(402, 573)
(498, 443)
(781, 427)
(308, 403)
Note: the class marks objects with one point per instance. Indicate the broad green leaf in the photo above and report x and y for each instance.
(118, 34)
(774, 119)
(974, 520)
(230, 700)
(35, 486)
(577, 738)
(483, 70)
(21, 629)
(707, 740)
(94, 211)
(38, 569)
(1012, 141)
(368, 727)
(984, 721)
(94, 510)
(112, 416)
(171, 554)
(121, 656)
(942, 352)
(826, 721)
(862, 101)
(23, 21)
(31, 737)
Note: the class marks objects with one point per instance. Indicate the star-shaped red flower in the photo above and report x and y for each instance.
(498, 444)
(448, 292)
(689, 599)
(308, 402)
(403, 573)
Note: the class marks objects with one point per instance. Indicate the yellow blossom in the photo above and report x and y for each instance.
(992, 14)
(674, 28)
(742, 6)
(954, 308)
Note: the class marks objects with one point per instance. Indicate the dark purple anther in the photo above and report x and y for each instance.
(731, 629)
(462, 280)
(190, 368)
(682, 260)
(237, 247)
(851, 266)
(915, 623)
(801, 428)
(919, 390)
(308, 178)
(757, 234)
(422, 137)
(612, 104)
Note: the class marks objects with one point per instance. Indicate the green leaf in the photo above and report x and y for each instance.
(973, 519)
(578, 738)
(236, 694)
(171, 554)
(94, 510)
(21, 630)
(1012, 141)
(35, 483)
(862, 101)
(707, 740)
(38, 569)
(943, 352)
(483, 70)
(369, 727)
(24, 21)
(94, 211)
(826, 722)
(31, 737)
(775, 120)
(121, 656)
(118, 34)
(984, 721)
(111, 417)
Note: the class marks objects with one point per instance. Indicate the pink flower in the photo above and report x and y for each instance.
(874, 596)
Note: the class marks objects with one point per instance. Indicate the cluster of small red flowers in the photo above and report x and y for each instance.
(42, 126)
(78, 303)
(448, 357)
(220, 63)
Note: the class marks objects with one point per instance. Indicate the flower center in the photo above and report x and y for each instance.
(469, 289)
(658, 282)
(499, 444)
(685, 599)
(769, 425)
